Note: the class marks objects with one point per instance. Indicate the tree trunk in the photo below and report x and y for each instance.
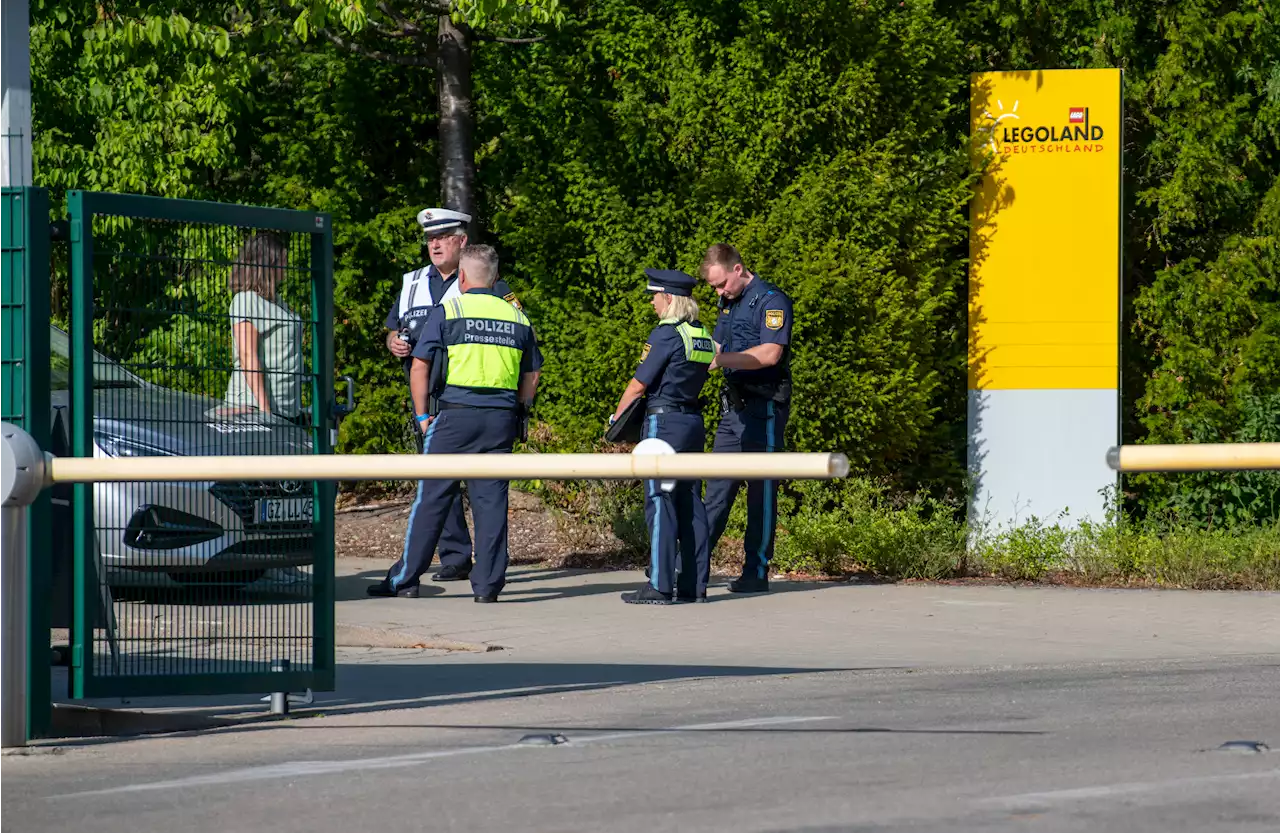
(457, 122)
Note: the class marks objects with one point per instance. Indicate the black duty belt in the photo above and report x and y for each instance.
(735, 396)
(454, 406)
(672, 409)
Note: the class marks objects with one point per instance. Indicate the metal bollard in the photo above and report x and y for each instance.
(23, 467)
(279, 699)
(13, 652)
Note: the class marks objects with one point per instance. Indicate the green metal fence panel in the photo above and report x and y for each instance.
(25, 402)
(200, 328)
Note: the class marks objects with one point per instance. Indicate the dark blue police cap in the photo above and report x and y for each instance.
(670, 281)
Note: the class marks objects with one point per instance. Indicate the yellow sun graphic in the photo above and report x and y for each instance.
(990, 129)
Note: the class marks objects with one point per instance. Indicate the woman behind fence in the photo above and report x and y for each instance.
(266, 334)
(673, 368)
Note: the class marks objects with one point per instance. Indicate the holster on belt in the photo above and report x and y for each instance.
(779, 392)
(522, 421)
(735, 396)
(435, 385)
(731, 399)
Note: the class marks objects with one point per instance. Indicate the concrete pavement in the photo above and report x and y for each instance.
(818, 707)
(569, 627)
(823, 624)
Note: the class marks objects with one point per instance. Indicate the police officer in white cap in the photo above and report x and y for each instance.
(421, 290)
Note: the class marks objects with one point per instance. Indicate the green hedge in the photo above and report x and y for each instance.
(825, 138)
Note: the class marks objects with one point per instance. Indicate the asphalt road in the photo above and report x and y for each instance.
(1128, 745)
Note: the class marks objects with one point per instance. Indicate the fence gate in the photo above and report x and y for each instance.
(197, 588)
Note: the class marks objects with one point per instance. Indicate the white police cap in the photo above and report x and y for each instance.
(437, 220)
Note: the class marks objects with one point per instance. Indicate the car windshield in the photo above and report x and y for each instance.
(106, 373)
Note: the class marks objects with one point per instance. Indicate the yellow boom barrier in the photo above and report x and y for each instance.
(740, 466)
(1197, 457)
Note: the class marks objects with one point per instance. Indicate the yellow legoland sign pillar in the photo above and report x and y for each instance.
(1044, 293)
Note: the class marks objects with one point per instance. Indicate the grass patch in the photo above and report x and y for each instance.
(850, 526)
(856, 526)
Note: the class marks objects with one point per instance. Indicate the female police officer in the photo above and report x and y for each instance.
(673, 367)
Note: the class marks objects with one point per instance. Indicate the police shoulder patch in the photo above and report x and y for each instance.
(774, 319)
(644, 354)
(510, 298)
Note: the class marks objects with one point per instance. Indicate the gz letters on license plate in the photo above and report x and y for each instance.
(285, 510)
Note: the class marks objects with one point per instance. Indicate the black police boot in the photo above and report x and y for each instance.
(646, 595)
(685, 594)
(452, 573)
(383, 589)
(485, 600)
(749, 585)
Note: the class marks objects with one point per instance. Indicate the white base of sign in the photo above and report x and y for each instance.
(1041, 453)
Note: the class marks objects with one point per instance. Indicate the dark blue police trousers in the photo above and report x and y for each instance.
(461, 431)
(455, 539)
(677, 520)
(759, 426)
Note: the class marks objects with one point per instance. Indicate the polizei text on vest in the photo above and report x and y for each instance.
(485, 325)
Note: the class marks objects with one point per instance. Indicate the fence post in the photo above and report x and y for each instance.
(26, 403)
(22, 466)
(13, 654)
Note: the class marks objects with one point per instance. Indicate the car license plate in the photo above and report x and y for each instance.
(285, 510)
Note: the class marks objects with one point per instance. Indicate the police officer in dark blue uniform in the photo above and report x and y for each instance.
(674, 365)
(421, 291)
(753, 340)
(490, 362)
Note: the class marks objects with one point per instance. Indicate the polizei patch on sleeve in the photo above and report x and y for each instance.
(510, 298)
(644, 354)
(774, 319)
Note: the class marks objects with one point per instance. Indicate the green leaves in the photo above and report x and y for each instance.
(314, 15)
(145, 100)
(478, 14)
(824, 138)
(1205, 251)
(817, 140)
(481, 13)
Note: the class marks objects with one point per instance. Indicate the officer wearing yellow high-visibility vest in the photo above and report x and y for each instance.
(478, 362)
(674, 365)
(421, 291)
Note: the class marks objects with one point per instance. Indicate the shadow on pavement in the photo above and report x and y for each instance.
(349, 588)
(716, 591)
(407, 686)
(530, 584)
(793, 730)
(544, 594)
(372, 688)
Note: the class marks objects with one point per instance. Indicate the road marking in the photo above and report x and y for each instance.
(300, 769)
(1111, 790)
